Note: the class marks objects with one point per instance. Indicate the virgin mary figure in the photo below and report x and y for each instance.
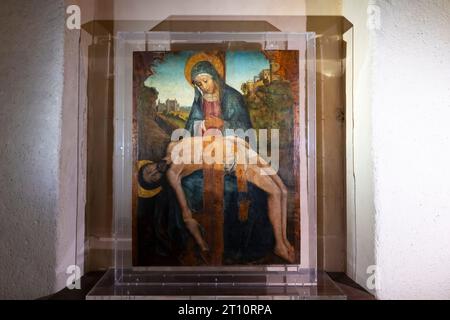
(218, 106)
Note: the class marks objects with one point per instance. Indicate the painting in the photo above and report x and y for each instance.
(216, 178)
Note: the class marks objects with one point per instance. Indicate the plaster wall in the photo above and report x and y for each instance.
(31, 96)
(411, 142)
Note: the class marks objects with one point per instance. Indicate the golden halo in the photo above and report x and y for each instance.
(203, 56)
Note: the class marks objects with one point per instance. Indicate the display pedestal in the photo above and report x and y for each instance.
(167, 289)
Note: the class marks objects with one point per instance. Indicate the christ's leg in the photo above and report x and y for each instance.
(274, 201)
(284, 199)
(265, 168)
(174, 178)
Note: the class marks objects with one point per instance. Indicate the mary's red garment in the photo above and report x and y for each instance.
(211, 109)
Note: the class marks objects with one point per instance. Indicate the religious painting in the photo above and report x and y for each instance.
(216, 178)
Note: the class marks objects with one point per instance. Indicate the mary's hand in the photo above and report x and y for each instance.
(214, 122)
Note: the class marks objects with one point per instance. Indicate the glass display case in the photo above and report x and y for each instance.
(237, 218)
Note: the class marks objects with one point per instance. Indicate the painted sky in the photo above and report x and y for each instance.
(243, 66)
(169, 77)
